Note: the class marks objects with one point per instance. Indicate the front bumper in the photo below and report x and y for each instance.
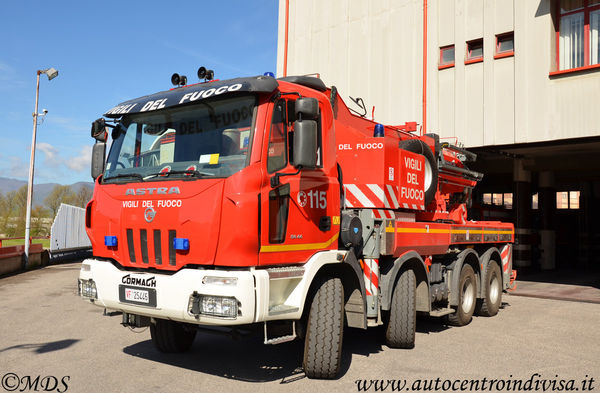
(173, 291)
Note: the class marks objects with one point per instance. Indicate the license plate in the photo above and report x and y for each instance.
(137, 295)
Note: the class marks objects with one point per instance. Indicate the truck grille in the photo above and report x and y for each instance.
(157, 241)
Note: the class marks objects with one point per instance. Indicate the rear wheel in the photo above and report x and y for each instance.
(400, 332)
(324, 331)
(172, 337)
(467, 297)
(492, 299)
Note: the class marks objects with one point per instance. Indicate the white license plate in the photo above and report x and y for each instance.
(137, 295)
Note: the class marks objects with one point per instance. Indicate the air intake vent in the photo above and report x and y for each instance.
(130, 245)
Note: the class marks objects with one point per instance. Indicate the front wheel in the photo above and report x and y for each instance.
(467, 297)
(325, 331)
(172, 337)
(400, 331)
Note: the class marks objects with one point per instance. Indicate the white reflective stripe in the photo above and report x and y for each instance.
(378, 191)
(393, 196)
(405, 205)
(422, 207)
(347, 202)
(357, 193)
(414, 207)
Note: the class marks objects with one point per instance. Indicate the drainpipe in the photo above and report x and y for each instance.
(424, 128)
(285, 48)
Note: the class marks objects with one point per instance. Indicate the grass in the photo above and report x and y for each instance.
(20, 242)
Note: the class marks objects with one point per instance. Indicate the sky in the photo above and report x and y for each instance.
(107, 52)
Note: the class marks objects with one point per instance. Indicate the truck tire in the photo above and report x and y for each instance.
(400, 331)
(490, 304)
(171, 337)
(431, 165)
(324, 331)
(467, 297)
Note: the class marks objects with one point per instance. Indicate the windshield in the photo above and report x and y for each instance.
(209, 139)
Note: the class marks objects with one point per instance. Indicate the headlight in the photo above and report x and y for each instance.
(87, 288)
(216, 306)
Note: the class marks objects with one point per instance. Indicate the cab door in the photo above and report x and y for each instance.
(296, 213)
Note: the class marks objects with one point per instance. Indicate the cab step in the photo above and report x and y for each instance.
(280, 339)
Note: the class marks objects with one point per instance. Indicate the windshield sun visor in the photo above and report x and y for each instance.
(193, 93)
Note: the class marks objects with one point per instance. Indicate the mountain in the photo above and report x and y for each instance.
(40, 191)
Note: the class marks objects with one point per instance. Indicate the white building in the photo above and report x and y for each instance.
(517, 81)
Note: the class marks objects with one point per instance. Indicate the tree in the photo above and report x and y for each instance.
(19, 211)
(38, 226)
(82, 196)
(8, 207)
(60, 194)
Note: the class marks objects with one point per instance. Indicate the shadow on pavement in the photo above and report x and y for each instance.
(44, 347)
(248, 359)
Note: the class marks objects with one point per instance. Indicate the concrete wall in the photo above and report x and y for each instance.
(373, 50)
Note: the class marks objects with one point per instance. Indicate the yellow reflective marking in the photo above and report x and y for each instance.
(464, 231)
(299, 247)
(335, 220)
(452, 231)
(422, 230)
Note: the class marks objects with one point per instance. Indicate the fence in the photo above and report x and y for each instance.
(67, 235)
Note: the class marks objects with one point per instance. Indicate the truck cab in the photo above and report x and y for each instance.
(217, 172)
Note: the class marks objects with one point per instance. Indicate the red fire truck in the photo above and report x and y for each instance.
(266, 203)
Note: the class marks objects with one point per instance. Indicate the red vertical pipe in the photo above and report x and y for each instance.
(285, 49)
(424, 128)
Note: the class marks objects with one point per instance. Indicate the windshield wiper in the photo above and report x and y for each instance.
(124, 175)
(189, 172)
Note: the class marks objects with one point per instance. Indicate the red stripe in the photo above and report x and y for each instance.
(352, 199)
(372, 277)
(389, 198)
(375, 201)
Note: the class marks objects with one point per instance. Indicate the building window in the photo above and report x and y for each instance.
(534, 201)
(508, 200)
(474, 51)
(578, 33)
(567, 200)
(505, 45)
(499, 199)
(446, 57)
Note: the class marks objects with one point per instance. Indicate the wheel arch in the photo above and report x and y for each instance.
(409, 260)
(355, 301)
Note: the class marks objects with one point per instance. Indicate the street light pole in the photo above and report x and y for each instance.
(51, 73)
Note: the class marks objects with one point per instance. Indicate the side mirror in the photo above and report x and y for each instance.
(99, 130)
(98, 153)
(305, 144)
(307, 108)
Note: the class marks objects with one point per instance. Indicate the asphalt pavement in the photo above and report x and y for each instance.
(47, 331)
